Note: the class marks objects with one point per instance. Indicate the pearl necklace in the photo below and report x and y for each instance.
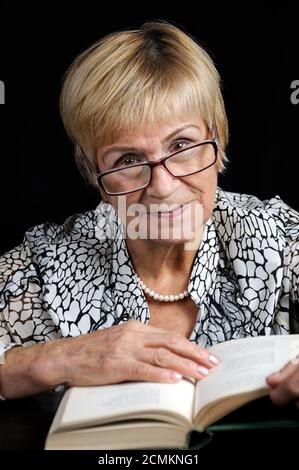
(161, 297)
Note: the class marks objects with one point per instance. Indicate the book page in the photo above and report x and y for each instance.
(98, 404)
(245, 364)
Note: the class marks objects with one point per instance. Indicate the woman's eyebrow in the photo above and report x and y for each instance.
(130, 148)
(180, 129)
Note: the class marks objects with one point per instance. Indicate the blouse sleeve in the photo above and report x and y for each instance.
(23, 317)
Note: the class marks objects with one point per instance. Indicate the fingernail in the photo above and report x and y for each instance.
(203, 370)
(213, 360)
(175, 376)
(274, 375)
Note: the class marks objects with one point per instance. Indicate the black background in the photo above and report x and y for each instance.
(255, 48)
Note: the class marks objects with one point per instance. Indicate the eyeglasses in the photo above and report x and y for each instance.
(133, 177)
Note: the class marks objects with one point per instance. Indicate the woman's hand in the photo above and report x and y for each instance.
(130, 351)
(285, 384)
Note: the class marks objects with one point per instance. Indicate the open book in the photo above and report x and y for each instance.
(144, 415)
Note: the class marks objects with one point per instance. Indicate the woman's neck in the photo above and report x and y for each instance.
(155, 262)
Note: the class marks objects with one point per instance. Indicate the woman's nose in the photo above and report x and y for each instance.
(162, 183)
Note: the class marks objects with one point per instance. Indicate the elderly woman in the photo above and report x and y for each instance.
(168, 263)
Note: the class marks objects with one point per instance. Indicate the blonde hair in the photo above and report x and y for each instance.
(136, 78)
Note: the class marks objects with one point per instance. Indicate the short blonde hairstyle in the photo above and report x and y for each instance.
(136, 78)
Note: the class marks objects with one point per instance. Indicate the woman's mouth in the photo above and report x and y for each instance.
(171, 214)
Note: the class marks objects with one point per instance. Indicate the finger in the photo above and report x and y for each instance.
(176, 342)
(149, 372)
(275, 379)
(183, 347)
(287, 390)
(166, 359)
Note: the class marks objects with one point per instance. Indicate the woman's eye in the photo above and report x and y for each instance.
(127, 160)
(180, 145)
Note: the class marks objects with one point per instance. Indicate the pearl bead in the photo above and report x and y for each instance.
(161, 297)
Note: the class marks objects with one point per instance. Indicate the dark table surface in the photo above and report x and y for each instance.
(24, 425)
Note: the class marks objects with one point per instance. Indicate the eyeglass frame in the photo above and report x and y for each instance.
(161, 161)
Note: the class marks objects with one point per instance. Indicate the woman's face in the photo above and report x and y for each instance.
(196, 192)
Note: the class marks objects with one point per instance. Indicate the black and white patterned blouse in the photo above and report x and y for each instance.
(75, 278)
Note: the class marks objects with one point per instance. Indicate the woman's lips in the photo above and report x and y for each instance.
(171, 214)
